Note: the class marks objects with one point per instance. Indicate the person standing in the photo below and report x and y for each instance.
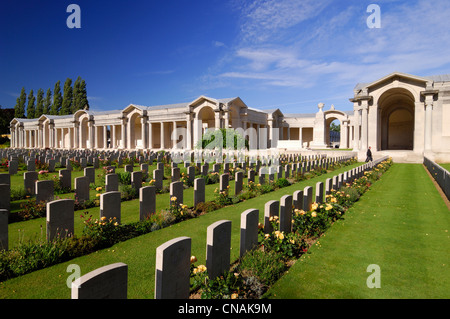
(369, 155)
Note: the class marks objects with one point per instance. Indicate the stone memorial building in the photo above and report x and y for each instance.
(399, 114)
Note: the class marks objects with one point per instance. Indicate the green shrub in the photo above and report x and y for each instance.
(267, 266)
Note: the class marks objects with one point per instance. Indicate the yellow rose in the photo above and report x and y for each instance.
(313, 214)
(193, 259)
(201, 268)
(234, 296)
(173, 198)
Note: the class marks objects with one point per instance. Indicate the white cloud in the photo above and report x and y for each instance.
(263, 19)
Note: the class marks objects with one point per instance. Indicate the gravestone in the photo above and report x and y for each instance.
(204, 170)
(111, 183)
(335, 182)
(83, 162)
(286, 214)
(60, 219)
(110, 206)
(286, 171)
(29, 182)
(262, 175)
(319, 192)
(129, 168)
(147, 202)
(218, 244)
(307, 198)
(239, 178)
(279, 171)
(297, 200)
(108, 282)
(95, 162)
(44, 191)
(65, 179)
(13, 167)
(224, 182)
(158, 175)
(175, 174)
(5, 179)
(81, 188)
(191, 174)
(249, 231)
(172, 269)
(4, 215)
(31, 165)
(250, 176)
(271, 208)
(136, 180)
(199, 191)
(328, 186)
(51, 165)
(89, 172)
(176, 189)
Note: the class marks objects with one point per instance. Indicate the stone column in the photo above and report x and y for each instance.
(356, 130)
(344, 135)
(150, 135)
(428, 122)
(217, 119)
(174, 135)
(364, 124)
(300, 136)
(105, 136)
(76, 135)
(162, 136)
(91, 129)
(113, 136)
(144, 134)
(188, 132)
(52, 135)
(123, 142)
(227, 119)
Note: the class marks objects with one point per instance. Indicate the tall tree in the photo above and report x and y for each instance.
(57, 99)
(47, 102)
(31, 108)
(20, 106)
(66, 107)
(39, 103)
(83, 100)
(76, 95)
(16, 108)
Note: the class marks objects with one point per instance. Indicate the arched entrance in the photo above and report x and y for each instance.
(206, 118)
(135, 127)
(397, 120)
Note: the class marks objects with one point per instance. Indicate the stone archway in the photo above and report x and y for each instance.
(206, 118)
(135, 127)
(397, 120)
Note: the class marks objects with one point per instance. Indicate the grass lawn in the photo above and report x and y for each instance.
(139, 253)
(401, 224)
(446, 166)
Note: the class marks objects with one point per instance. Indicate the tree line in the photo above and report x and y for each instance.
(68, 102)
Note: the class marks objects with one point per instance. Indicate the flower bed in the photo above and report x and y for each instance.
(253, 274)
(14, 262)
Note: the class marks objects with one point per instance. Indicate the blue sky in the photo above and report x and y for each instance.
(287, 54)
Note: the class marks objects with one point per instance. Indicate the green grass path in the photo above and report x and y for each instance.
(402, 224)
(139, 253)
